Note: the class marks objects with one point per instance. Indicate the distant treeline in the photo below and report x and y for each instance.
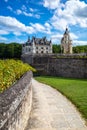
(76, 49)
(14, 50)
(11, 50)
(80, 49)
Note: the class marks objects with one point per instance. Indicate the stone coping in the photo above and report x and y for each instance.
(12, 97)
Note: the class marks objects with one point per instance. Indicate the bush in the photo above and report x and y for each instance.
(10, 71)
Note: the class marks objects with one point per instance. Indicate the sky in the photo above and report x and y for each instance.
(22, 18)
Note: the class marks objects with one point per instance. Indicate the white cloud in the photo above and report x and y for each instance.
(17, 33)
(59, 23)
(78, 42)
(18, 11)
(57, 36)
(51, 4)
(38, 27)
(31, 15)
(36, 16)
(3, 32)
(82, 12)
(13, 25)
(41, 28)
(30, 30)
(24, 11)
(73, 36)
(10, 8)
(6, 0)
(48, 25)
(31, 9)
(24, 8)
(2, 38)
(48, 28)
(72, 13)
(27, 14)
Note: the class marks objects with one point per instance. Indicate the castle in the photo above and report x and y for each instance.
(66, 43)
(42, 45)
(37, 46)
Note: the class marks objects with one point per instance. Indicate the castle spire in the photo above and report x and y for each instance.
(66, 31)
(28, 38)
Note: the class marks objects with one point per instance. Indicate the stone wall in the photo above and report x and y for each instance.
(67, 67)
(15, 104)
(74, 66)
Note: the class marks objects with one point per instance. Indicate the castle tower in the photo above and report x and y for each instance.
(33, 45)
(66, 43)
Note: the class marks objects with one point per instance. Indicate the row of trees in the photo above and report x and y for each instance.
(76, 49)
(80, 49)
(14, 50)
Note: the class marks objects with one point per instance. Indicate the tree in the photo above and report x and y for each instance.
(17, 50)
(56, 48)
(11, 50)
(2, 50)
(80, 49)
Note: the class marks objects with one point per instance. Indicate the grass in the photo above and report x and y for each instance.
(73, 89)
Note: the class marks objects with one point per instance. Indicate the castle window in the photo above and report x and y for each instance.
(41, 51)
(47, 48)
(37, 52)
(29, 49)
(36, 47)
(41, 47)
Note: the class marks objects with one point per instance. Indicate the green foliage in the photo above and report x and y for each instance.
(56, 48)
(74, 89)
(80, 49)
(10, 71)
(12, 50)
(77, 49)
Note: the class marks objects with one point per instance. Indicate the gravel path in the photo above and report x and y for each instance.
(52, 111)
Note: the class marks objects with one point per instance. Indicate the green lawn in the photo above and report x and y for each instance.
(74, 89)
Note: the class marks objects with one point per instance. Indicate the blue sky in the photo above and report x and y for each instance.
(22, 18)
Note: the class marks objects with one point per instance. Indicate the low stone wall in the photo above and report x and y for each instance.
(74, 66)
(68, 67)
(15, 104)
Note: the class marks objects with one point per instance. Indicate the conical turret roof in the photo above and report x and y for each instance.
(66, 31)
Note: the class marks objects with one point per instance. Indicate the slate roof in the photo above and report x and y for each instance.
(38, 41)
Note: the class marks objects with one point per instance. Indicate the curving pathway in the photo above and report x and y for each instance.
(52, 111)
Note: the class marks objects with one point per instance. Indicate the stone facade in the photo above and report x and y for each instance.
(59, 65)
(66, 43)
(37, 45)
(15, 104)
